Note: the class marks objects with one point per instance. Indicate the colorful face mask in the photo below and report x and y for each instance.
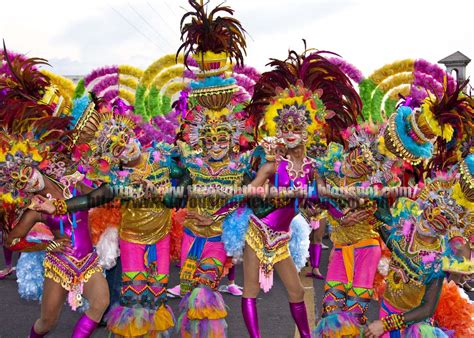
(438, 216)
(115, 139)
(292, 121)
(359, 162)
(19, 160)
(216, 142)
(34, 180)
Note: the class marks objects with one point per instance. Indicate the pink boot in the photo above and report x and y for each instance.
(249, 312)
(84, 327)
(314, 258)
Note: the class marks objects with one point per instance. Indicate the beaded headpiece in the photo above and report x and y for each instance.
(101, 136)
(295, 108)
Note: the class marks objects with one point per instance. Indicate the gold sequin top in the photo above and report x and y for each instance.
(149, 222)
(348, 235)
(217, 177)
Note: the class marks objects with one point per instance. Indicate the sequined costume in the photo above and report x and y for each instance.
(356, 254)
(74, 269)
(293, 100)
(145, 219)
(413, 283)
(34, 160)
(203, 255)
(220, 177)
(269, 235)
(213, 125)
(145, 256)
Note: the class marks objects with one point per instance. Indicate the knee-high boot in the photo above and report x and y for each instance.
(298, 312)
(249, 312)
(84, 327)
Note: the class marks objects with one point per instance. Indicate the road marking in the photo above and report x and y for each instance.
(308, 298)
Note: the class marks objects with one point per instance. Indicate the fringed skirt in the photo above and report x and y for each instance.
(71, 273)
(270, 247)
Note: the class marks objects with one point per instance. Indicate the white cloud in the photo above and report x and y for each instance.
(77, 36)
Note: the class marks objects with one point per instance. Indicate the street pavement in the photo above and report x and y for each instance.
(275, 321)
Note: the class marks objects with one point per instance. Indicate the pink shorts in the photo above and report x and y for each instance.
(132, 256)
(211, 249)
(366, 260)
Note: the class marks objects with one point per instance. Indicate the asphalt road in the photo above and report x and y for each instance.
(275, 321)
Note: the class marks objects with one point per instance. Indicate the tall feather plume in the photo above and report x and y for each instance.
(316, 72)
(206, 32)
(21, 109)
(455, 109)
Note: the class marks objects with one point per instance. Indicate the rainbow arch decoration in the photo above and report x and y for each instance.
(111, 82)
(416, 78)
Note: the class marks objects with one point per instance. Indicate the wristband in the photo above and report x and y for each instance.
(393, 322)
(61, 207)
(52, 245)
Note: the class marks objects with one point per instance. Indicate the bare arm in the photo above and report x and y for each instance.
(263, 174)
(24, 225)
(428, 304)
(16, 239)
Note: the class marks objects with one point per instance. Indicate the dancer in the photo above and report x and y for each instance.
(353, 265)
(416, 276)
(293, 105)
(7, 253)
(145, 221)
(30, 163)
(316, 246)
(213, 124)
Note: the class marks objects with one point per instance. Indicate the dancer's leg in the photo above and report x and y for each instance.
(286, 269)
(8, 255)
(53, 299)
(251, 268)
(129, 317)
(251, 290)
(315, 249)
(96, 291)
(359, 294)
(335, 321)
(162, 319)
(203, 311)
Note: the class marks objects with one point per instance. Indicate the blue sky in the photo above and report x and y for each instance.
(78, 36)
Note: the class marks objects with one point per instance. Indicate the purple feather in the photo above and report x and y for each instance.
(99, 73)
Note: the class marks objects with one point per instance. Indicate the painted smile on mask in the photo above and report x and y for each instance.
(29, 180)
(217, 146)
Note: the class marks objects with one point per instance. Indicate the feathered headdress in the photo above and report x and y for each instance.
(27, 104)
(295, 107)
(431, 131)
(435, 208)
(100, 136)
(318, 75)
(211, 38)
(463, 191)
(33, 133)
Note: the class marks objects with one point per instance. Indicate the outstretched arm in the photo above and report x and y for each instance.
(100, 196)
(263, 174)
